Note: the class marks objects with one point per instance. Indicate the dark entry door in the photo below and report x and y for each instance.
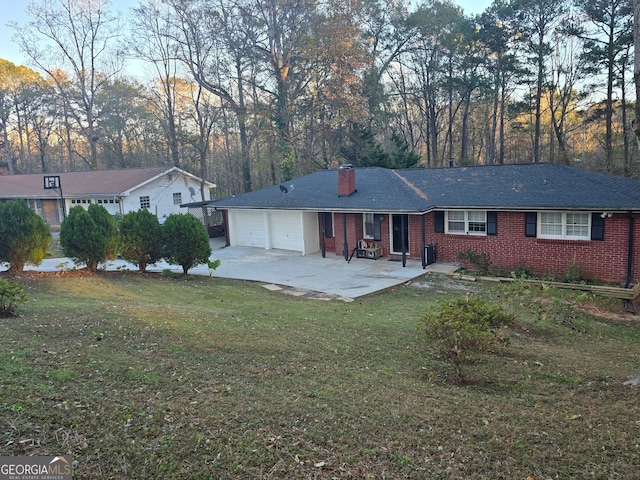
(400, 223)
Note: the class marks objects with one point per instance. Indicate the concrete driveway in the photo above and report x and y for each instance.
(299, 274)
(330, 275)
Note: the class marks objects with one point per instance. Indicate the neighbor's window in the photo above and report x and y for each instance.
(369, 231)
(177, 198)
(567, 225)
(145, 202)
(467, 222)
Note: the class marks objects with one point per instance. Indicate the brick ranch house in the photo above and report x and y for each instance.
(161, 190)
(546, 217)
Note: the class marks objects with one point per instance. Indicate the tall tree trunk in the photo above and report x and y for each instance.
(636, 65)
(537, 130)
(464, 128)
(242, 128)
(7, 149)
(608, 112)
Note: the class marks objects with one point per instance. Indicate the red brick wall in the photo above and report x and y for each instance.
(605, 260)
(354, 231)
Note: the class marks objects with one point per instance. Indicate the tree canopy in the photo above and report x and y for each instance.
(248, 94)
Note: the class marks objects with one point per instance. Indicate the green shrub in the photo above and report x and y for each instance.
(12, 295)
(575, 273)
(24, 236)
(89, 236)
(480, 261)
(522, 272)
(140, 238)
(186, 242)
(463, 329)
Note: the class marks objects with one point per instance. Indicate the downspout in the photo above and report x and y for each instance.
(630, 251)
(403, 240)
(322, 242)
(345, 249)
(424, 245)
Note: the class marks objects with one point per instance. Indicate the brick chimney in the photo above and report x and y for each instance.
(346, 180)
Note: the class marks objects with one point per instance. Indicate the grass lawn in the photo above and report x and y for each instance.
(151, 377)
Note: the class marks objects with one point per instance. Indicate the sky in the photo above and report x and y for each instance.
(14, 11)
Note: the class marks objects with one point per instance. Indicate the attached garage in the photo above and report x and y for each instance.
(281, 229)
(248, 227)
(285, 230)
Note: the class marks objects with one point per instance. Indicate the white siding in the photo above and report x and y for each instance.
(160, 193)
(311, 233)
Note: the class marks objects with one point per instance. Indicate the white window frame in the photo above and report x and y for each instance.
(368, 221)
(177, 198)
(468, 218)
(564, 218)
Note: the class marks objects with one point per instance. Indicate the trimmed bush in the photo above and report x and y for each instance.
(463, 329)
(140, 238)
(12, 295)
(24, 236)
(89, 236)
(186, 242)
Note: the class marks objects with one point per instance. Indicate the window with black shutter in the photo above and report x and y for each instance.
(377, 229)
(597, 227)
(530, 224)
(328, 224)
(492, 223)
(439, 222)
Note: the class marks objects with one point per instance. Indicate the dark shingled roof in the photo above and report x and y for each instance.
(499, 187)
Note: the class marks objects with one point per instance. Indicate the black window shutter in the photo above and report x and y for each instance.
(328, 225)
(438, 218)
(377, 230)
(492, 223)
(531, 224)
(597, 227)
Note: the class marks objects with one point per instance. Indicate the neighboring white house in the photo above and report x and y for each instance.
(161, 190)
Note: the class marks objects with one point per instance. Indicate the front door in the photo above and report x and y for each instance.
(400, 233)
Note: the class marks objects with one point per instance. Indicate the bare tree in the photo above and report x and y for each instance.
(215, 45)
(80, 35)
(8, 74)
(636, 64)
(566, 72)
(538, 20)
(607, 36)
(154, 41)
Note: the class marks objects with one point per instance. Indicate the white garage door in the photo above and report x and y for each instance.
(249, 229)
(286, 230)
